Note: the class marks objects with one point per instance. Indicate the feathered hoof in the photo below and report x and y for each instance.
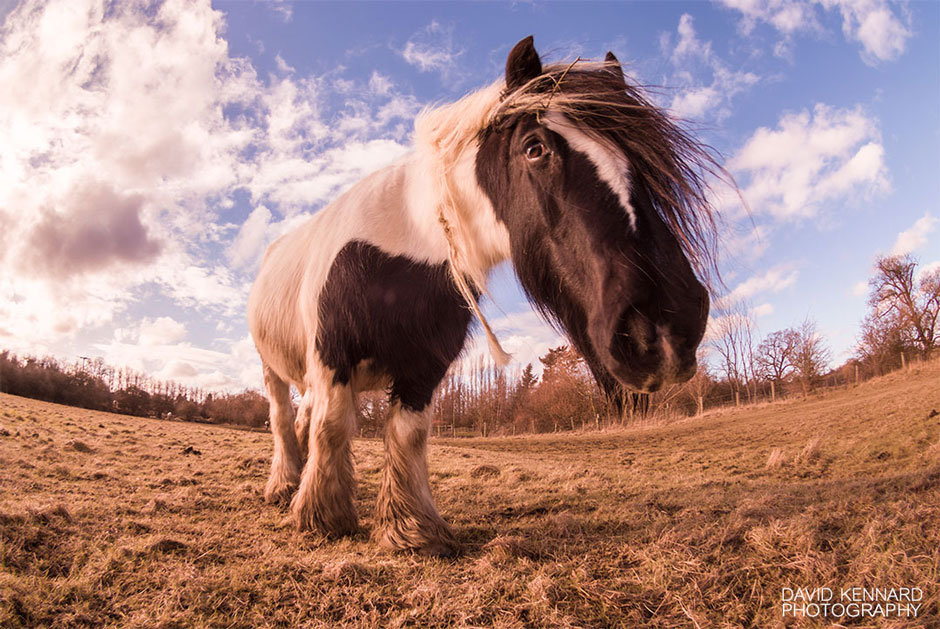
(309, 516)
(279, 492)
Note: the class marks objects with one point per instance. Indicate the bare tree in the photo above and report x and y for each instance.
(897, 296)
(882, 342)
(775, 356)
(701, 383)
(732, 339)
(811, 355)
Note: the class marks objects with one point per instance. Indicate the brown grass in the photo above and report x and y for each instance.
(107, 520)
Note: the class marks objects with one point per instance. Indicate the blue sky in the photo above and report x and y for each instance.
(150, 151)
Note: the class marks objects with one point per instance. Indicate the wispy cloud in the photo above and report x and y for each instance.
(882, 29)
(762, 310)
(774, 280)
(706, 83)
(432, 49)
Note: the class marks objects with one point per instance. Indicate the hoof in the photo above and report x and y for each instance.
(442, 549)
(442, 544)
(279, 493)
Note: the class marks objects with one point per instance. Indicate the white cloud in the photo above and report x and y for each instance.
(859, 288)
(689, 45)
(161, 331)
(914, 237)
(250, 241)
(874, 24)
(283, 8)
(811, 159)
(184, 362)
(127, 134)
(282, 66)
(787, 16)
(924, 269)
(426, 58)
(749, 246)
(524, 334)
(762, 310)
(380, 84)
(114, 140)
(695, 102)
(177, 370)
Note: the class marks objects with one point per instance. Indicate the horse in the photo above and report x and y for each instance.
(595, 195)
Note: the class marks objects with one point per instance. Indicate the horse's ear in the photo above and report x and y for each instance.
(522, 64)
(611, 63)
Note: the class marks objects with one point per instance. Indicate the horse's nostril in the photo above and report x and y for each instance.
(634, 342)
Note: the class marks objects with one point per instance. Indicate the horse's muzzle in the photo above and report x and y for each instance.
(645, 355)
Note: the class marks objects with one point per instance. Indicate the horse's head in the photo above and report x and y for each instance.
(602, 196)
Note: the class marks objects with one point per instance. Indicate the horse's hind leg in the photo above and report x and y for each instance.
(407, 517)
(285, 465)
(324, 500)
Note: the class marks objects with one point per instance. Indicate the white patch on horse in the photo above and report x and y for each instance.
(612, 166)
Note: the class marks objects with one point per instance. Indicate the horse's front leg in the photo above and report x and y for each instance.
(324, 500)
(302, 423)
(285, 465)
(406, 515)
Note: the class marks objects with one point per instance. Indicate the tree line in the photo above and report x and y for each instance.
(477, 399)
(901, 324)
(92, 384)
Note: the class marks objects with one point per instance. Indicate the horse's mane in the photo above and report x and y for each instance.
(444, 134)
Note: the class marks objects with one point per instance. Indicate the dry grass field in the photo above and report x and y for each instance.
(107, 520)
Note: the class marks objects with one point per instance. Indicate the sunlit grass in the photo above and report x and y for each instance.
(114, 520)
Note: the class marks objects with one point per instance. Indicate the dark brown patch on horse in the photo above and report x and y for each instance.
(405, 316)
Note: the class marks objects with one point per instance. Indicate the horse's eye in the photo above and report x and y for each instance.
(535, 150)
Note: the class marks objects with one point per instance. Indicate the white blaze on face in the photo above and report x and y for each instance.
(611, 164)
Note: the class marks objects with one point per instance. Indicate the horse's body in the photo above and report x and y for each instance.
(376, 290)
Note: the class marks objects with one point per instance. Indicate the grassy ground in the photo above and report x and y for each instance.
(114, 520)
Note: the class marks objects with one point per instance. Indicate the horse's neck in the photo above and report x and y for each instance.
(455, 206)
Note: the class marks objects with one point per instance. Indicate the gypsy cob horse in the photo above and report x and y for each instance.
(596, 196)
